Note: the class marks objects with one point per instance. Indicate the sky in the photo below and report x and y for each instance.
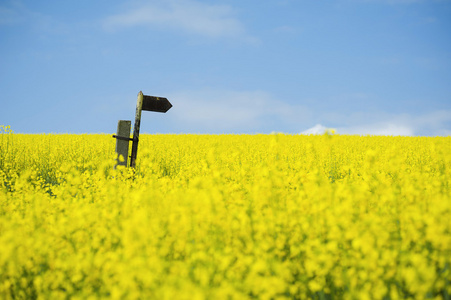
(368, 67)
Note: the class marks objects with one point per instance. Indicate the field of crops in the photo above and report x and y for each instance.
(225, 217)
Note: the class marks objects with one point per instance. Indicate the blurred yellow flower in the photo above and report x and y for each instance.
(225, 217)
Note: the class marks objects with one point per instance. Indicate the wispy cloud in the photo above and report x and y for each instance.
(14, 13)
(317, 129)
(9, 15)
(227, 111)
(218, 111)
(390, 1)
(211, 20)
(381, 128)
(437, 123)
(395, 2)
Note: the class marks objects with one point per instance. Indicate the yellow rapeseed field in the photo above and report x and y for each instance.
(225, 217)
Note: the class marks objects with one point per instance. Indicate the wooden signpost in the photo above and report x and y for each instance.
(144, 102)
(122, 141)
(139, 105)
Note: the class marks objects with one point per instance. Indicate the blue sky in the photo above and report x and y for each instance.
(227, 66)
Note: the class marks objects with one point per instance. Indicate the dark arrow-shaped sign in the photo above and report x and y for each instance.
(158, 104)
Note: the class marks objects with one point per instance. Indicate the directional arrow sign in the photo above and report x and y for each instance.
(158, 104)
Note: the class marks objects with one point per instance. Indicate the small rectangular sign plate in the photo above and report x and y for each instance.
(158, 104)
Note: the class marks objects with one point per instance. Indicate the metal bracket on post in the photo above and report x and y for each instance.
(122, 138)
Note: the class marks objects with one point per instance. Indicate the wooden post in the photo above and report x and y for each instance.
(122, 141)
(139, 105)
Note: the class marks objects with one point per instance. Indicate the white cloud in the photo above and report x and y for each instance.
(226, 111)
(317, 129)
(15, 13)
(391, 1)
(218, 111)
(9, 16)
(211, 20)
(379, 129)
(436, 123)
(395, 2)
